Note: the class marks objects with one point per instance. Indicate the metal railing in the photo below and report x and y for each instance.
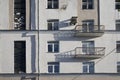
(90, 50)
(68, 54)
(94, 28)
(83, 51)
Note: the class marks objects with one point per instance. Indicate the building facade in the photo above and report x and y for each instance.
(59, 36)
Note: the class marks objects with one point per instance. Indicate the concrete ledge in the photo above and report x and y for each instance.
(62, 76)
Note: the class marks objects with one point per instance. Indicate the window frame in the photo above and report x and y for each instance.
(88, 25)
(88, 67)
(54, 24)
(117, 25)
(52, 4)
(117, 46)
(118, 67)
(20, 56)
(53, 46)
(55, 67)
(88, 47)
(20, 14)
(117, 4)
(86, 4)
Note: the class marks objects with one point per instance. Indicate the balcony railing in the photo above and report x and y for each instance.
(83, 53)
(89, 31)
(89, 52)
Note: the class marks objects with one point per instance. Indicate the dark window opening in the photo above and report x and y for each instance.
(20, 14)
(117, 25)
(19, 56)
(118, 67)
(118, 46)
(117, 4)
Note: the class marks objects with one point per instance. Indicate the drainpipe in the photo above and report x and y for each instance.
(38, 38)
(98, 10)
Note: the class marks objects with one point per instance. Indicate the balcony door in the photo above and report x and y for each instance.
(20, 56)
(88, 67)
(88, 47)
(88, 26)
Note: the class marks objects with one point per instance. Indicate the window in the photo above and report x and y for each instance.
(118, 67)
(117, 4)
(53, 67)
(20, 14)
(88, 67)
(53, 4)
(53, 46)
(117, 25)
(118, 46)
(53, 24)
(88, 47)
(19, 56)
(88, 25)
(87, 4)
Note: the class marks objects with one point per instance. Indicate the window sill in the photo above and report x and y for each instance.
(52, 8)
(52, 30)
(88, 9)
(53, 73)
(52, 52)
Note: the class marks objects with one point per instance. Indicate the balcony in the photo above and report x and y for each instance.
(83, 53)
(89, 52)
(89, 31)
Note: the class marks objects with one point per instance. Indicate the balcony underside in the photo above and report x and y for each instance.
(80, 56)
(88, 34)
(89, 56)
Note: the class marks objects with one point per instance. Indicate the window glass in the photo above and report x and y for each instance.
(118, 46)
(90, 6)
(117, 4)
(56, 47)
(56, 69)
(19, 56)
(118, 67)
(88, 25)
(88, 47)
(117, 25)
(49, 3)
(88, 67)
(53, 67)
(50, 48)
(87, 4)
(53, 4)
(50, 69)
(85, 69)
(19, 14)
(53, 46)
(91, 67)
(53, 24)
(84, 5)
(84, 0)
(56, 24)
